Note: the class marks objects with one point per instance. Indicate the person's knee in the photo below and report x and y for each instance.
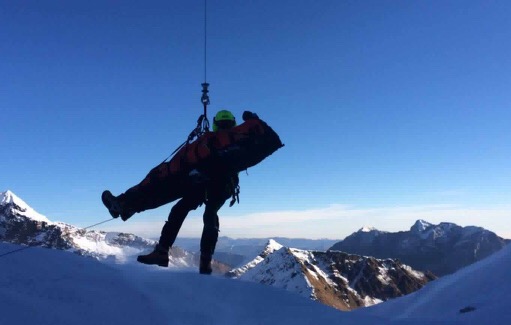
(182, 208)
(178, 209)
(209, 239)
(177, 213)
(211, 230)
(211, 221)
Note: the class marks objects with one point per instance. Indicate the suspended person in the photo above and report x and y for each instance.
(210, 190)
(217, 158)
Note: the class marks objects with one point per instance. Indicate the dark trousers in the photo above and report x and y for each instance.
(213, 196)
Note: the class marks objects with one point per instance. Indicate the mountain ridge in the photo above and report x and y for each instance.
(337, 279)
(441, 249)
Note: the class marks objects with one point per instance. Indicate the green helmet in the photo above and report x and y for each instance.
(223, 120)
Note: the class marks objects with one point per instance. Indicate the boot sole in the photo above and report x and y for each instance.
(162, 264)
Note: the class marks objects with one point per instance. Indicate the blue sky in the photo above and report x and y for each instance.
(390, 110)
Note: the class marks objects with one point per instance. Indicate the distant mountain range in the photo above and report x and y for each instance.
(336, 279)
(441, 249)
(238, 251)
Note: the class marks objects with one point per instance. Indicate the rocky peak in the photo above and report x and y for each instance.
(12, 206)
(271, 247)
(365, 234)
(420, 226)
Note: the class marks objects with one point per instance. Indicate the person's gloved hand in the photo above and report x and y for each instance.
(247, 115)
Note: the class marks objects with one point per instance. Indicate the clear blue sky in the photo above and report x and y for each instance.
(390, 110)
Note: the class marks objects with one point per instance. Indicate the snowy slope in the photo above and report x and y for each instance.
(52, 287)
(69, 289)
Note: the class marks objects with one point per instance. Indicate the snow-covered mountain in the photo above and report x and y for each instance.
(239, 251)
(441, 249)
(336, 279)
(19, 207)
(20, 224)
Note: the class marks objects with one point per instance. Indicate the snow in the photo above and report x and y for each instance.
(103, 247)
(8, 197)
(271, 246)
(415, 273)
(72, 289)
(281, 272)
(367, 229)
(369, 301)
(383, 276)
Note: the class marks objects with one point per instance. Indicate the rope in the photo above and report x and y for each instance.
(16, 250)
(23, 248)
(205, 84)
(110, 219)
(202, 122)
(205, 39)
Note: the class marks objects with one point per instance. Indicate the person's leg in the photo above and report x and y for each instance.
(159, 187)
(176, 218)
(178, 213)
(209, 236)
(152, 192)
(211, 227)
(218, 192)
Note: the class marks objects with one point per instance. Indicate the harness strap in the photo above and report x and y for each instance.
(235, 190)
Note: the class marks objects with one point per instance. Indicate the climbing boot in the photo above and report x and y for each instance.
(205, 264)
(159, 256)
(115, 207)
